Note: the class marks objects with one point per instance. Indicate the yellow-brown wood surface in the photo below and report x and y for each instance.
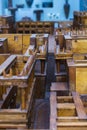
(17, 43)
(79, 46)
(81, 80)
(67, 127)
(26, 42)
(66, 109)
(3, 58)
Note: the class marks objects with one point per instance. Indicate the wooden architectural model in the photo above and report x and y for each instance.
(67, 112)
(17, 84)
(28, 70)
(17, 77)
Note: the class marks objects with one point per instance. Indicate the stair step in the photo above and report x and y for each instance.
(61, 74)
(59, 86)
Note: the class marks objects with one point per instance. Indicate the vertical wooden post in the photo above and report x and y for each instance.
(23, 98)
(3, 89)
(58, 65)
(53, 111)
(42, 65)
(1, 92)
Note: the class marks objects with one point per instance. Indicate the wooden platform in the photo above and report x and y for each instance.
(61, 88)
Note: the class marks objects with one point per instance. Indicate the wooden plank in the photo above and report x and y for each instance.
(53, 111)
(72, 128)
(30, 50)
(59, 86)
(15, 116)
(27, 66)
(9, 61)
(81, 79)
(63, 124)
(65, 106)
(21, 126)
(67, 118)
(80, 46)
(64, 97)
(72, 78)
(79, 106)
(53, 104)
(13, 121)
(12, 116)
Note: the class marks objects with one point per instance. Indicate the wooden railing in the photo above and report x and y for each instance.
(17, 92)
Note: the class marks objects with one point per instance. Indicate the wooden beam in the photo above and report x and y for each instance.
(8, 62)
(30, 50)
(53, 111)
(74, 124)
(65, 106)
(20, 126)
(64, 97)
(27, 66)
(67, 118)
(79, 106)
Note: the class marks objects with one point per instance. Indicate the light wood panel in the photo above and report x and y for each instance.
(17, 43)
(79, 46)
(81, 80)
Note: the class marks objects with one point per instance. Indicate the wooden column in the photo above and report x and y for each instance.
(58, 65)
(42, 66)
(3, 90)
(23, 98)
(72, 78)
(53, 111)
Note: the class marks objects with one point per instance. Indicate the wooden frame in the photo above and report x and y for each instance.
(67, 112)
(77, 75)
(33, 27)
(41, 48)
(16, 43)
(22, 84)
